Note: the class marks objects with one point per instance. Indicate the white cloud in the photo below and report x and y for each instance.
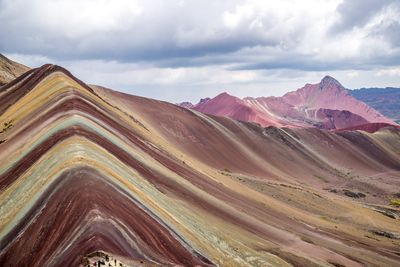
(353, 74)
(250, 46)
(389, 72)
(241, 13)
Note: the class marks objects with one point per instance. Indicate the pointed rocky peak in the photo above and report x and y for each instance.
(223, 95)
(329, 82)
(186, 104)
(218, 105)
(203, 100)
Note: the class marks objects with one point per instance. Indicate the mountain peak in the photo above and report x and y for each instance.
(204, 100)
(329, 81)
(186, 104)
(223, 94)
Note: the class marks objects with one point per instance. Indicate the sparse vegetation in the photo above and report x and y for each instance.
(395, 202)
(306, 239)
(321, 178)
(325, 218)
(227, 170)
(336, 264)
(7, 126)
(353, 194)
(386, 234)
(346, 174)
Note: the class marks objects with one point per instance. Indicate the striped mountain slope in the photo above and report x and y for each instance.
(87, 169)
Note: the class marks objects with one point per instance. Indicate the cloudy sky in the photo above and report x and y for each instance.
(179, 50)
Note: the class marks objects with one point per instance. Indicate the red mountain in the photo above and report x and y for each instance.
(326, 105)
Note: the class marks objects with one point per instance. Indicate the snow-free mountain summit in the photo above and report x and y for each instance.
(325, 105)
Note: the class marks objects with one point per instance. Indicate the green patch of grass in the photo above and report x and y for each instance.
(328, 219)
(325, 218)
(395, 202)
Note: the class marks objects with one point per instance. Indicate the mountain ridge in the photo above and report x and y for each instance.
(9, 70)
(386, 100)
(310, 106)
(86, 170)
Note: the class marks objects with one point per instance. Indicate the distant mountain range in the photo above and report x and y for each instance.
(385, 100)
(325, 105)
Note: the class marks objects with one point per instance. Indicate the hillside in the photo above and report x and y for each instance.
(9, 70)
(385, 100)
(88, 171)
(326, 105)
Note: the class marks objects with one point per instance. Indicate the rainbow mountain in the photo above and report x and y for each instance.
(86, 171)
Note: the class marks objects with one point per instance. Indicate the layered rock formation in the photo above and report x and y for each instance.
(89, 171)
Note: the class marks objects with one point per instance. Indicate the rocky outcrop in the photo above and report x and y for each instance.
(386, 234)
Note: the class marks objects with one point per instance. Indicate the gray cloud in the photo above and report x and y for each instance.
(380, 17)
(158, 43)
(186, 33)
(144, 31)
(392, 31)
(151, 30)
(310, 63)
(356, 13)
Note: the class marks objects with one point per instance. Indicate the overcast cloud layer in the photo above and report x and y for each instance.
(182, 50)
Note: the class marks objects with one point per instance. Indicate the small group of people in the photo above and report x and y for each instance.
(107, 262)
